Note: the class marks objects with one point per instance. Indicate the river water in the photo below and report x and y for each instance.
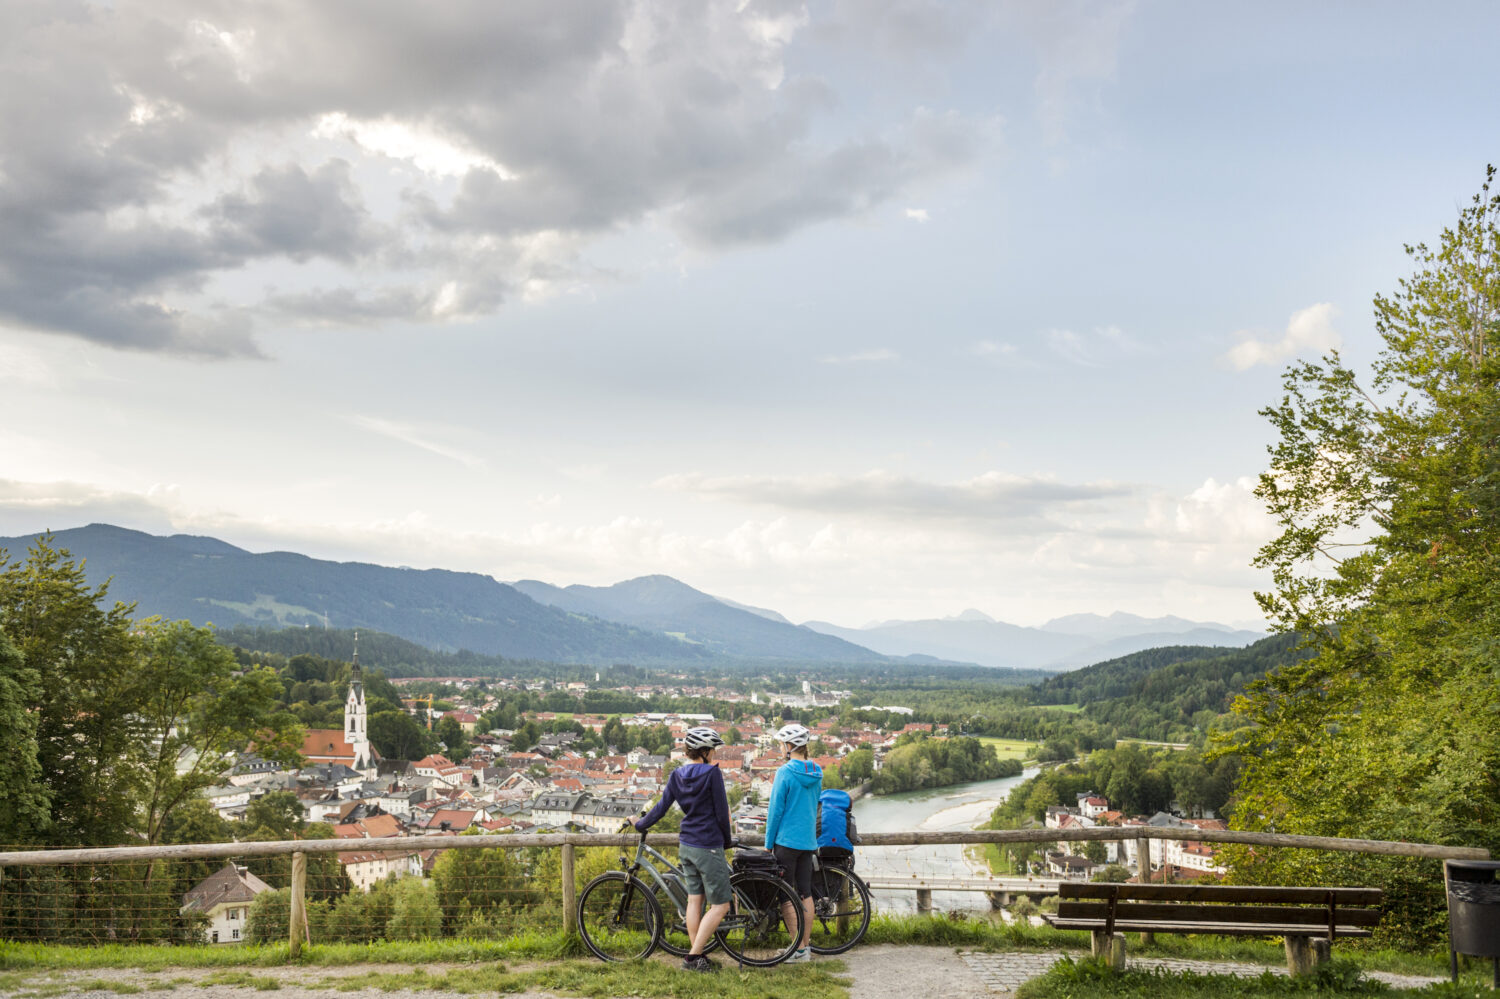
(959, 806)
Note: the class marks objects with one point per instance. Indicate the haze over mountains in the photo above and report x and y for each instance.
(1062, 643)
(651, 619)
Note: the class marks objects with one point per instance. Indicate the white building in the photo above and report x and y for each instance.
(366, 868)
(225, 897)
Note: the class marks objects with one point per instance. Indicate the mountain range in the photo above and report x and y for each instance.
(649, 620)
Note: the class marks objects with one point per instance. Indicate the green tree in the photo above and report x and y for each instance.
(396, 735)
(23, 795)
(196, 710)
(1388, 499)
(84, 659)
(451, 733)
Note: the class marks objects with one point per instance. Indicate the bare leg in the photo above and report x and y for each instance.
(694, 915)
(807, 921)
(707, 925)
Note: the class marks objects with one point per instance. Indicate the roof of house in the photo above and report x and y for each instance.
(230, 883)
(324, 743)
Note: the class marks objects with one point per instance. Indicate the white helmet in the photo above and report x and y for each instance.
(795, 734)
(702, 737)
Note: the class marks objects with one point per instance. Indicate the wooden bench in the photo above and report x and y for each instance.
(1308, 919)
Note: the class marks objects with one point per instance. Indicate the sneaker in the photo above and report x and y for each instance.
(801, 955)
(699, 962)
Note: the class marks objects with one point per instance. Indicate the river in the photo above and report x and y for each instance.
(959, 806)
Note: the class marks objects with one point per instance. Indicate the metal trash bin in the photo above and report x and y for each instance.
(1473, 911)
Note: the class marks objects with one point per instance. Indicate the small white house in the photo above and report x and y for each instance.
(225, 897)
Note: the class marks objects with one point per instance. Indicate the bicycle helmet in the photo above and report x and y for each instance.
(795, 734)
(702, 737)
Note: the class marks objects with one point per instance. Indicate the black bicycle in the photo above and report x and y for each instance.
(621, 918)
(841, 905)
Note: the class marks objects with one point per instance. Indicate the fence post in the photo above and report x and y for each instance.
(569, 890)
(924, 901)
(1143, 874)
(297, 931)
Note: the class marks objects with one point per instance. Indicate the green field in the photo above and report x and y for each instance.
(1011, 748)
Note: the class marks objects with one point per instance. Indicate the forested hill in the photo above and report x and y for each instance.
(1166, 693)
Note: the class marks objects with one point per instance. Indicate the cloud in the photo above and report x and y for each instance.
(30, 507)
(994, 498)
(416, 438)
(994, 349)
(1091, 350)
(1309, 330)
(918, 215)
(862, 357)
(1077, 46)
(366, 162)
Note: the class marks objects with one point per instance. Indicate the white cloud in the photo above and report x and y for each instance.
(918, 215)
(417, 438)
(1310, 330)
(1101, 346)
(862, 357)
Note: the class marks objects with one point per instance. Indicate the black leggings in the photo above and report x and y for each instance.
(798, 865)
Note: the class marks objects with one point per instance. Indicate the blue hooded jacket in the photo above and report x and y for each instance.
(793, 810)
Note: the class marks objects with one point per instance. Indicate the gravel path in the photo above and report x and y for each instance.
(885, 971)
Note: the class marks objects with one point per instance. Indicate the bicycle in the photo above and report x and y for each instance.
(841, 905)
(621, 918)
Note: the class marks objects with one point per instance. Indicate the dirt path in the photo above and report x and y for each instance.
(878, 972)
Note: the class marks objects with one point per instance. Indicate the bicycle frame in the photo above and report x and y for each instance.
(644, 854)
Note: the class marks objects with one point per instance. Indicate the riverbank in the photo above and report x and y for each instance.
(959, 807)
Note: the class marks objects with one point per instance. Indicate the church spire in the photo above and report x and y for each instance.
(356, 724)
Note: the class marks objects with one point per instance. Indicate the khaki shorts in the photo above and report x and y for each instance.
(705, 872)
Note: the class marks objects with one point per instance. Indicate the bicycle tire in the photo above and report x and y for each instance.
(754, 931)
(841, 910)
(618, 917)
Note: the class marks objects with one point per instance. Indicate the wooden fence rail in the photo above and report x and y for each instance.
(569, 842)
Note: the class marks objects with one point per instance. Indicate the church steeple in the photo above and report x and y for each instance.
(356, 730)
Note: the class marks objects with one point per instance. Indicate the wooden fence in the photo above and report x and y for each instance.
(569, 842)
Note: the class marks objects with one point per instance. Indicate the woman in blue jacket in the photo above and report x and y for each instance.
(791, 823)
(698, 787)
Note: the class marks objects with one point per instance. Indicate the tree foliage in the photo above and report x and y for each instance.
(1388, 498)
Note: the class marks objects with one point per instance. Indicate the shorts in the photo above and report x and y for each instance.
(705, 872)
(798, 864)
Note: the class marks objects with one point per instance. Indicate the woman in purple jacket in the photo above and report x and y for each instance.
(698, 787)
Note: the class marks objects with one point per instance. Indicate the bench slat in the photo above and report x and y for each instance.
(1285, 895)
(1213, 913)
(1223, 929)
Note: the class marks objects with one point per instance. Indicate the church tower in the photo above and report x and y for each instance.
(356, 722)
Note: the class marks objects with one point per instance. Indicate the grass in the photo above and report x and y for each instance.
(1069, 979)
(1011, 748)
(489, 966)
(594, 979)
(151, 957)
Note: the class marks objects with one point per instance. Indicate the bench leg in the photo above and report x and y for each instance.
(1108, 949)
(1304, 954)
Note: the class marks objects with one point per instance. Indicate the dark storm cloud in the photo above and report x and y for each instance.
(148, 149)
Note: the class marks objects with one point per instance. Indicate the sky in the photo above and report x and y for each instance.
(855, 310)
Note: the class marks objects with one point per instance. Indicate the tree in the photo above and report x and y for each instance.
(196, 710)
(84, 659)
(396, 735)
(1388, 499)
(23, 795)
(451, 733)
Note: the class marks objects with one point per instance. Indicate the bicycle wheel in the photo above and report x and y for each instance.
(617, 917)
(755, 931)
(841, 910)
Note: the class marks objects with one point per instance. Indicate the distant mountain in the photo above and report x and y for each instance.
(1062, 644)
(205, 580)
(661, 603)
(988, 643)
(1120, 624)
